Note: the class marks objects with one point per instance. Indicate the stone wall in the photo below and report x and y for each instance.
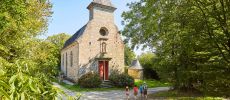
(87, 48)
(72, 71)
(136, 74)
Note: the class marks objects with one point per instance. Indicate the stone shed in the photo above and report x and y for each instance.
(136, 70)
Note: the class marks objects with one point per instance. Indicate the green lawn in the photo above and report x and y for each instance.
(176, 95)
(150, 83)
(153, 83)
(77, 88)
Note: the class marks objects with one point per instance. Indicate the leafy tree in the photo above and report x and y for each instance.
(43, 54)
(58, 41)
(129, 55)
(21, 76)
(147, 62)
(191, 40)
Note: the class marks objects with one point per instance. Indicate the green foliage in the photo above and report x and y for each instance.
(42, 53)
(46, 53)
(148, 63)
(90, 80)
(58, 41)
(191, 39)
(24, 84)
(129, 55)
(152, 83)
(26, 63)
(121, 79)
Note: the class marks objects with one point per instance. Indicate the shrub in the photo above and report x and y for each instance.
(121, 80)
(90, 80)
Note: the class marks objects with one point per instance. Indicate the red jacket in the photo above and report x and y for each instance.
(135, 89)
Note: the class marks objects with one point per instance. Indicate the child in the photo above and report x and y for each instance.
(145, 88)
(135, 91)
(141, 90)
(127, 92)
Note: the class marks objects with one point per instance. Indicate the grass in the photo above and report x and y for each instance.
(181, 95)
(77, 88)
(153, 83)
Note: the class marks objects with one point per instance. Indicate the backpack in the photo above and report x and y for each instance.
(145, 87)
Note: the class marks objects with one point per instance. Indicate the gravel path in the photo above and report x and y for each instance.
(108, 95)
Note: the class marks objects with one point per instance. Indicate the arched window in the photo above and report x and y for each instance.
(66, 63)
(103, 47)
(71, 58)
(103, 31)
(63, 57)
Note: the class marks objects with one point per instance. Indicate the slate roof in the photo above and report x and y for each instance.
(74, 37)
(136, 65)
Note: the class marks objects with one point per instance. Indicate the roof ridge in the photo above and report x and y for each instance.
(75, 36)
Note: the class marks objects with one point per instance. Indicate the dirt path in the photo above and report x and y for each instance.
(108, 95)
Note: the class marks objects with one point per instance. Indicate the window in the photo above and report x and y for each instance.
(103, 47)
(71, 58)
(103, 31)
(63, 60)
(66, 60)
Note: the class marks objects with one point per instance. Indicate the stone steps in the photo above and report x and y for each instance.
(106, 84)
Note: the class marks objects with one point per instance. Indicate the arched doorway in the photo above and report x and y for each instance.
(104, 69)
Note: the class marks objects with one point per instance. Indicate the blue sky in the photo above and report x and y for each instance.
(70, 15)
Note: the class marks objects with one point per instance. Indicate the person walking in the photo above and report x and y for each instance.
(145, 88)
(141, 90)
(135, 92)
(127, 92)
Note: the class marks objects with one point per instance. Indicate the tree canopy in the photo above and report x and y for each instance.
(147, 61)
(129, 55)
(191, 38)
(26, 63)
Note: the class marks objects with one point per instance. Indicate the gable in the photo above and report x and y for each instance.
(75, 36)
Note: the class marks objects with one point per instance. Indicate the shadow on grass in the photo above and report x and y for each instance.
(77, 88)
(182, 95)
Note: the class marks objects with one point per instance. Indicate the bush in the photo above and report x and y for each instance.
(121, 80)
(90, 80)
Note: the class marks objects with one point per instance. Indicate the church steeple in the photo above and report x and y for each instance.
(100, 5)
(103, 2)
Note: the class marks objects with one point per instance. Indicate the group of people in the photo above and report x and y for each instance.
(142, 89)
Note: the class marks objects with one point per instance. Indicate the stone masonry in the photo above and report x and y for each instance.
(83, 51)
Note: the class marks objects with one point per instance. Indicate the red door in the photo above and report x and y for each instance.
(104, 70)
(101, 69)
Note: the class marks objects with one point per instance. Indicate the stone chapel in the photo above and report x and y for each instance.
(96, 47)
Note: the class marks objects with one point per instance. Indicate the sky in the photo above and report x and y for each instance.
(70, 15)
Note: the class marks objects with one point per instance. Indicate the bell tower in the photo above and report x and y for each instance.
(101, 10)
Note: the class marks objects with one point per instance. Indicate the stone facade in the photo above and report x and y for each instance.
(136, 70)
(98, 40)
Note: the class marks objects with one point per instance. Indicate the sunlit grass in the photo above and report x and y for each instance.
(152, 83)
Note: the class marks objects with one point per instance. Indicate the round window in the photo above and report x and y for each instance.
(103, 31)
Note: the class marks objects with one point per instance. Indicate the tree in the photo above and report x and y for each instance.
(129, 55)
(191, 40)
(21, 78)
(58, 41)
(147, 62)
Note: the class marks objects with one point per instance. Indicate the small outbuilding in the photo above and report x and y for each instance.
(136, 70)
